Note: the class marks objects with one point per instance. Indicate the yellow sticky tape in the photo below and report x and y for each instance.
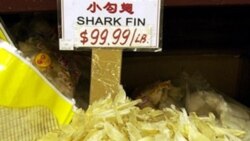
(21, 85)
(2, 35)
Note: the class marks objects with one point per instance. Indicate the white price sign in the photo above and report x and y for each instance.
(110, 23)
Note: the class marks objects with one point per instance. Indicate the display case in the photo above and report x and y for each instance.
(191, 29)
(205, 38)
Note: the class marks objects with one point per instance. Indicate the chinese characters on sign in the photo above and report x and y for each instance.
(111, 7)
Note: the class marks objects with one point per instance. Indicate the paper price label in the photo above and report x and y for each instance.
(113, 23)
